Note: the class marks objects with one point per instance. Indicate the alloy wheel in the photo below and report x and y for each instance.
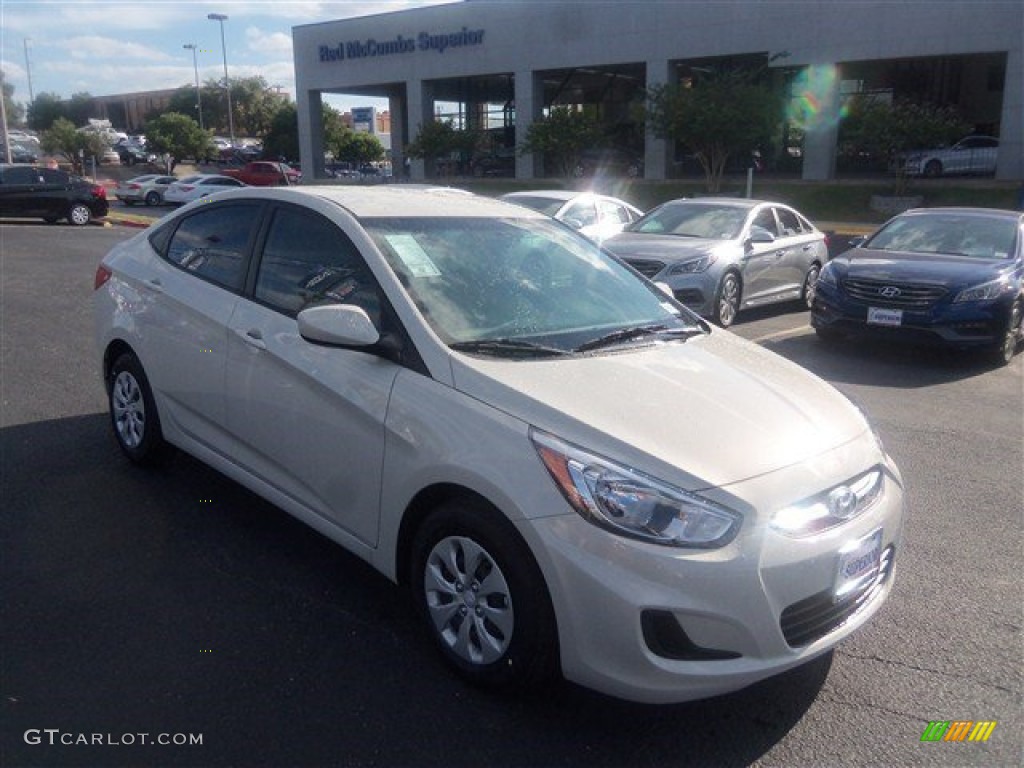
(129, 410)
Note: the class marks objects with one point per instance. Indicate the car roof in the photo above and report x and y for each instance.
(391, 201)
(1000, 213)
(550, 194)
(736, 202)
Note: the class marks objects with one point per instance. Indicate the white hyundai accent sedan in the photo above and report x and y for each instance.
(572, 472)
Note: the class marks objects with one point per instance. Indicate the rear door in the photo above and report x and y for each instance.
(802, 245)
(191, 294)
(761, 261)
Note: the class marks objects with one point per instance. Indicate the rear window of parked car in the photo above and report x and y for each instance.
(214, 243)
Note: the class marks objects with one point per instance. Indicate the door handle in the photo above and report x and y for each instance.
(154, 284)
(252, 337)
(807, 247)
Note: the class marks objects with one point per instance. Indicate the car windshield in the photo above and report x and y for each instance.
(981, 237)
(715, 222)
(507, 284)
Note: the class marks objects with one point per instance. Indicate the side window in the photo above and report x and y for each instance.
(214, 243)
(766, 220)
(582, 212)
(610, 211)
(308, 261)
(21, 175)
(52, 176)
(788, 221)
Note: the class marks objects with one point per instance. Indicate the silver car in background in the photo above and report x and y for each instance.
(595, 216)
(720, 255)
(970, 155)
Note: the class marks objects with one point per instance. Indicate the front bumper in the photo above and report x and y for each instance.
(963, 324)
(660, 624)
(695, 291)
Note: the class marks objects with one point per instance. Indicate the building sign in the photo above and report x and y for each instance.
(424, 41)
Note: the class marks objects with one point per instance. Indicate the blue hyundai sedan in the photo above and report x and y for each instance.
(952, 276)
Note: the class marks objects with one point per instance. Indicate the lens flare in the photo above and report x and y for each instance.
(814, 94)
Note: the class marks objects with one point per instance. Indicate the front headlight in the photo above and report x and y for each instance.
(831, 508)
(629, 502)
(827, 275)
(986, 291)
(700, 264)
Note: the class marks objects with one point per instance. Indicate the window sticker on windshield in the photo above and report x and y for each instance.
(413, 256)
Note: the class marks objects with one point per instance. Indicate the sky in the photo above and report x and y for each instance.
(112, 46)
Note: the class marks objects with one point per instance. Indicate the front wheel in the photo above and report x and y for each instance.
(152, 198)
(482, 597)
(133, 413)
(727, 300)
(1003, 353)
(933, 169)
(79, 214)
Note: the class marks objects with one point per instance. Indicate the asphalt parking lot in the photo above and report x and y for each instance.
(173, 602)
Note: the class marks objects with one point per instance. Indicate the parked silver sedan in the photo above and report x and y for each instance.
(720, 255)
(595, 216)
(148, 189)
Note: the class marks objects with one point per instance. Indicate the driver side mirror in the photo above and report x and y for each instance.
(342, 325)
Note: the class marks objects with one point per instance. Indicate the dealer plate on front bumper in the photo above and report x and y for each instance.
(858, 564)
(883, 316)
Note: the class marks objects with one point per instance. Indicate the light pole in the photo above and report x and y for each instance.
(28, 71)
(227, 84)
(199, 98)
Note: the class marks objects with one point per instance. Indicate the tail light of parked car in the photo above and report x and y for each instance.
(102, 275)
(98, 191)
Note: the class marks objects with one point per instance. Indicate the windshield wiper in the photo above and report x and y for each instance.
(506, 346)
(633, 333)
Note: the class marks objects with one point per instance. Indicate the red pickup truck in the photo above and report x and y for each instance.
(263, 173)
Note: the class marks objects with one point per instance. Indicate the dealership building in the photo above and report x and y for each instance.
(497, 65)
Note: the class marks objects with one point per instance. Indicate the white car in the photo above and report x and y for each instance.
(148, 189)
(571, 471)
(970, 155)
(195, 187)
(595, 216)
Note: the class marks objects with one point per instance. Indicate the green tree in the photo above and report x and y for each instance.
(44, 111)
(440, 140)
(282, 138)
(716, 115)
(177, 136)
(562, 135)
(63, 139)
(253, 105)
(358, 147)
(80, 108)
(15, 112)
(886, 129)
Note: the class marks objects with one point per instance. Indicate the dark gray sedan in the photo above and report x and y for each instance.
(720, 255)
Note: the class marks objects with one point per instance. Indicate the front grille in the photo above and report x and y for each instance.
(903, 295)
(646, 267)
(814, 617)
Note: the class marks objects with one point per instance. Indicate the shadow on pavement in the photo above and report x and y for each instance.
(175, 601)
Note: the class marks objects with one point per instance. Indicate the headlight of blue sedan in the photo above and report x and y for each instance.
(827, 275)
(984, 292)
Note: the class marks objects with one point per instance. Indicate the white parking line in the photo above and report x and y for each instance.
(782, 334)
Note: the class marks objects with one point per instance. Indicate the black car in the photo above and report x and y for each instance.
(19, 154)
(950, 276)
(131, 154)
(49, 194)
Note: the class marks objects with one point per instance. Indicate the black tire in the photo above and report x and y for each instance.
(810, 280)
(153, 198)
(933, 169)
(79, 214)
(1004, 351)
(485, 602)
(133, 415)
(727, 300)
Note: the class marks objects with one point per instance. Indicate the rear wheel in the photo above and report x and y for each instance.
(482, 597)
(933, 168)
(133, 413)
(810, 280)
(79, 214)
(152, 198)
(727, 300)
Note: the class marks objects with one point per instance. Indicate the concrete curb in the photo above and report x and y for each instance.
(127, 220)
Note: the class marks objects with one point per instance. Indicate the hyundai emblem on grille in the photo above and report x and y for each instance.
(889, 291)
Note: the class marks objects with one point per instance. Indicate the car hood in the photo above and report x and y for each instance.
(633, 245)
(935, 269)
(707, 412)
